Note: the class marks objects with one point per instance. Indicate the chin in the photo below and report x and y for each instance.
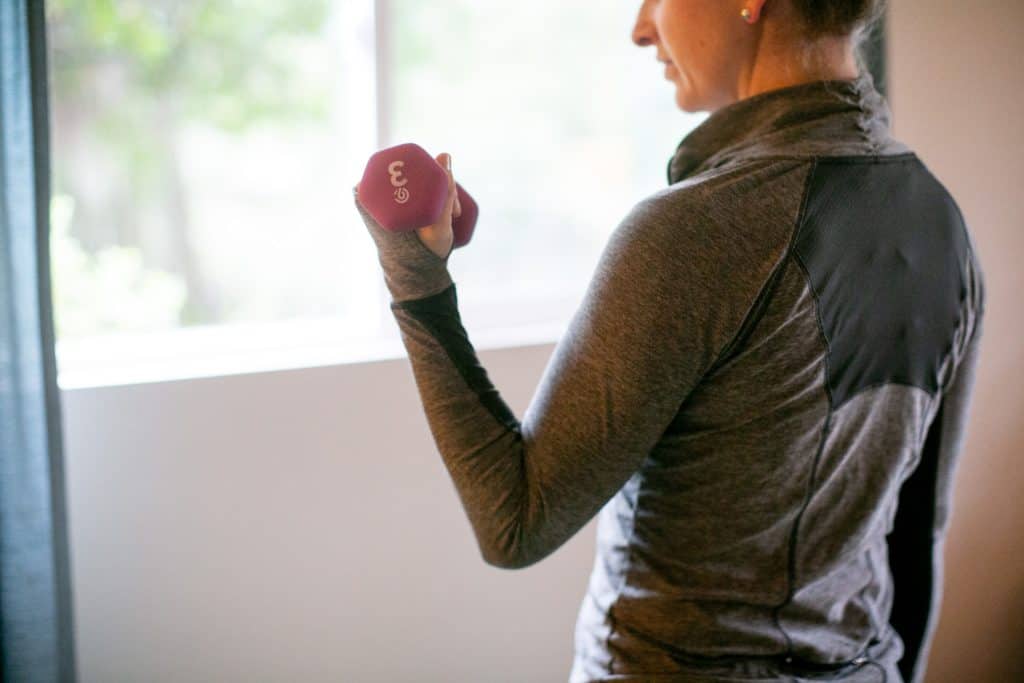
(686, 100)
(684, 105)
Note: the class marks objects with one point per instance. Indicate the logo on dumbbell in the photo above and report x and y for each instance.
(395, 171)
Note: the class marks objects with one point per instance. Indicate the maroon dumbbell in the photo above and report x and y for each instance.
(404, 188)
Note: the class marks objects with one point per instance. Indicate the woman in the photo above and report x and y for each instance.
(764, 390)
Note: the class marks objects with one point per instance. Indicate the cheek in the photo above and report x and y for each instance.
(687, 33)
(701, 51)
(701, 37)
(692, 60)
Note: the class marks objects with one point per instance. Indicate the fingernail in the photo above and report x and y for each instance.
(448, 161)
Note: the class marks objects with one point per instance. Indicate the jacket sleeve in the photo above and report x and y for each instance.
(651, 322)
(925, 501)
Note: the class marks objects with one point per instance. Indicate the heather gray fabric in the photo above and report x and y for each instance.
(744, 509)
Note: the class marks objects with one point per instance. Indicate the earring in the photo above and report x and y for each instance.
(745, 13)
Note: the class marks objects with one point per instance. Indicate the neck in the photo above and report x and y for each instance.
(777, 64)
(825, 117)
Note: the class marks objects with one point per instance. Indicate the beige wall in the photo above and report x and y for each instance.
(956, 79)
(298, 525)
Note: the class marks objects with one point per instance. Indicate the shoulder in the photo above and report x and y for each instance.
(739, 199)
(708, 244)
(731, 218)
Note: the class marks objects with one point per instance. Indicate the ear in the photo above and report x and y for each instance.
(755, 7)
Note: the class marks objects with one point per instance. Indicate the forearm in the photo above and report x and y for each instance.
(476, 433)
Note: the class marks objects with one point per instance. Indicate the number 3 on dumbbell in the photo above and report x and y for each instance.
(395, 171)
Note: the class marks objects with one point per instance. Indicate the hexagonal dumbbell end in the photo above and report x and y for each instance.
(463, 226)
(404, 188)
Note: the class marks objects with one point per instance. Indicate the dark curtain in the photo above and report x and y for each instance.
(36, 634)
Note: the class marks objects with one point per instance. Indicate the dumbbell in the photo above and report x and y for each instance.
(404, 188)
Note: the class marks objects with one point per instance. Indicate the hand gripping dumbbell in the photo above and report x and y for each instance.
(404, 188)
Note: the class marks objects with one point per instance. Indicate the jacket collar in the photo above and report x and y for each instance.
(825, 117)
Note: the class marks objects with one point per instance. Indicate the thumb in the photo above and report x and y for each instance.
(445, 160)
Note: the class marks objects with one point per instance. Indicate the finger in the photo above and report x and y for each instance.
(452, 207)
(445, 160)
(453, 188)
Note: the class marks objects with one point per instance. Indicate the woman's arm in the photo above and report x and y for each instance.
(653, 319)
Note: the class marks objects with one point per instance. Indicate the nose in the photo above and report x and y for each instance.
(643, 29)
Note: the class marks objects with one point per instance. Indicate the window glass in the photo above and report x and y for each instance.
(557, 124)
(203, 155)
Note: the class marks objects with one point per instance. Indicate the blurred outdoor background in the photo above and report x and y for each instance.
(204, 151)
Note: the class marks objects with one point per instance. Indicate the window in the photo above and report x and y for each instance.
(204, 151)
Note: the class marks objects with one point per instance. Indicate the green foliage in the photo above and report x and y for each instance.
(127, 77)
(225, 63)
(110, 291)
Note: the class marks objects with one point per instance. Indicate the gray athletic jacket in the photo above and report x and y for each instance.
(763, 396)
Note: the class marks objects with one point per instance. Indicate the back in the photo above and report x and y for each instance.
(762, 396)
(759, 523)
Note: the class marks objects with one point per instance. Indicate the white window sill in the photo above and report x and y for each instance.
(220, 350)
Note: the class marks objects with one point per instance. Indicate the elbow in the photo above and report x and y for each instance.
(505, 554)
(516, 540)
(506, 560)
(516, 555)
(500, 562)
(511, 551)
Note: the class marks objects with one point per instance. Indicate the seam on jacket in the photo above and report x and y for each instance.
(791, 565)
(766, 291)
(826, 428)
(753, 315)
(764, 296)
(810, 285)
(425, 310)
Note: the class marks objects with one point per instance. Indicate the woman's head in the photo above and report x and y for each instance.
(719, 51)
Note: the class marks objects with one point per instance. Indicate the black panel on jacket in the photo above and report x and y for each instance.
(439, 313)
(884, 246)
